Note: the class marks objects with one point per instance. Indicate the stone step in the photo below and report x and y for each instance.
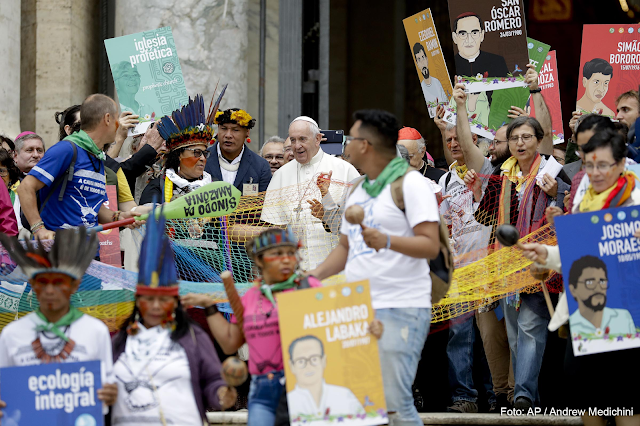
(434, 419)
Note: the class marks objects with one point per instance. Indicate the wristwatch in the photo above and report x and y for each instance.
(211, 310)
(532, 91)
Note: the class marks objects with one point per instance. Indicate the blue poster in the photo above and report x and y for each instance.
(601, 272)
(61, 394)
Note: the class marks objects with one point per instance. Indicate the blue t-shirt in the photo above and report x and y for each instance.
(83, 196)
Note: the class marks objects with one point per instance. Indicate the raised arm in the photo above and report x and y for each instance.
(442, 126)
(472, 155)
(542, 111)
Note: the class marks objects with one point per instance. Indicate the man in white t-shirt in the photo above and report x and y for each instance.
(56, 331)
(312, 395)
(391, 250)
(469, 238)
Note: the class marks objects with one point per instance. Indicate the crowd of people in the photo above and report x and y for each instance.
(58, 193)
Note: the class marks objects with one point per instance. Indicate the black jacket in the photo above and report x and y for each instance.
(134, 166)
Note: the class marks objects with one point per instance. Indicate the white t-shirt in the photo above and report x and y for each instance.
(467, 235)
(161, 382)
(397, 281)
(339, 400)
(433, 92)
(90, 335)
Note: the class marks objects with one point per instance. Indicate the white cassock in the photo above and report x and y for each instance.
(285, 202)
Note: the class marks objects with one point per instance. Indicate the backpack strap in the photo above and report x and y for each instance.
(447, 180)
(397, 193)
(62, 180)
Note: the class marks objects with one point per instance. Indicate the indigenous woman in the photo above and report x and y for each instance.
(166, 367)
(595, 378)
(275, 253)
(519, 199)
(56, 331)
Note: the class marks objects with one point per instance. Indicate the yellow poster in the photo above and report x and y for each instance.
(430, 64)
(331, 361)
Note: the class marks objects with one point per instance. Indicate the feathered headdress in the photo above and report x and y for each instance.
(71, 253)
(273, 237)
(157, 272)
(189, 125)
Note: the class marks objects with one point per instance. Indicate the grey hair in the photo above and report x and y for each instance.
(450, 127)
(272, 139)
(420, 143)
(19, 143)
(483, 144)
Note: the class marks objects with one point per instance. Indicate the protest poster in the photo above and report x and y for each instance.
(147, 74)
(110, 239)
(548, 82)
(600, 267)
(488, 111)
(56, 394)
(609, 65)
(490, 43)
(430, 64)
(326, 344)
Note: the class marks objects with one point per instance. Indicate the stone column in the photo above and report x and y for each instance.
(211, 40)
(10, 54)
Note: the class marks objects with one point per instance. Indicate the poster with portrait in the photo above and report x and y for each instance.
(609, 66)
(331, 361)
(147, 74)
(600, 267)
(488, 111)
(490, 43)
(56, 394)
(548, 83)
(430, 64)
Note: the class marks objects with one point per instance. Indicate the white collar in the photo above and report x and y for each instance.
(235, 160)
(474, 58)
(181, 182)
(315, 160)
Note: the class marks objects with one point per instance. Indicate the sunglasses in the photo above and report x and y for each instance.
(199, 152)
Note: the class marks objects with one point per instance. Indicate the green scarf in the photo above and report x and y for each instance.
(84, 141)
(268, 290)
(54, 328)
(396, 168)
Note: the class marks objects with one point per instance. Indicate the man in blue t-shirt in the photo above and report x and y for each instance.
(85, 193)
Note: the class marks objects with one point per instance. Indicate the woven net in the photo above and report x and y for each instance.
(485, 272)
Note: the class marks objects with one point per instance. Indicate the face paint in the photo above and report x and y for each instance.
(190, 161)
(60, 282)
(143, 306)
(594, 156)
(290, 257)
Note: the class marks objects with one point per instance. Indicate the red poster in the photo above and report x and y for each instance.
(548, 82)
(609, 66)
(110, 239)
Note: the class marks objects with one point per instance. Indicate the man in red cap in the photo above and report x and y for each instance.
(411, 139)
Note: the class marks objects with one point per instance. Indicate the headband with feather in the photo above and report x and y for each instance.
(71, 253)
(157, 272)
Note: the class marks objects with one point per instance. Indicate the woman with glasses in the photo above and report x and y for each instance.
(595, 378)
(519, 198)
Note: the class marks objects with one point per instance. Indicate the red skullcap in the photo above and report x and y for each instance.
(409, 133)
(466, 15)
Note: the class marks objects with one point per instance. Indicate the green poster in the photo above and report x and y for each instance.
(147, 74)
(502, 100)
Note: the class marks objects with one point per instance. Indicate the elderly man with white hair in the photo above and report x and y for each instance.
(291, 206)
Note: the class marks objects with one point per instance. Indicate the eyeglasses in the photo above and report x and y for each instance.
(497, 142)
(270, 157)
(602, 167)
(463, 34)
(314, 360)
(348, 139)
(590, 283)
(4, 171)
(199, 152)
(525, 138)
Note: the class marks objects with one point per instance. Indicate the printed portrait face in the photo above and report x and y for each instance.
(129, 81)
(591, 288)
(597, 86)
(423, 63)
(308, 362)
(468, 37)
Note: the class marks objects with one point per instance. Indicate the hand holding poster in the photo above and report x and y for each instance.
(430, 64)
(147, 74)
(63, 394)
(609, 65)
(600, 267)
(331, 361)
(491, 43)
(548, 83)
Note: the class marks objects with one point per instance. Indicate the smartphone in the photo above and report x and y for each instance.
(333, 136)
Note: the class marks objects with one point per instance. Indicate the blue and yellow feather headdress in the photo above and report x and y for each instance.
(157, 273)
